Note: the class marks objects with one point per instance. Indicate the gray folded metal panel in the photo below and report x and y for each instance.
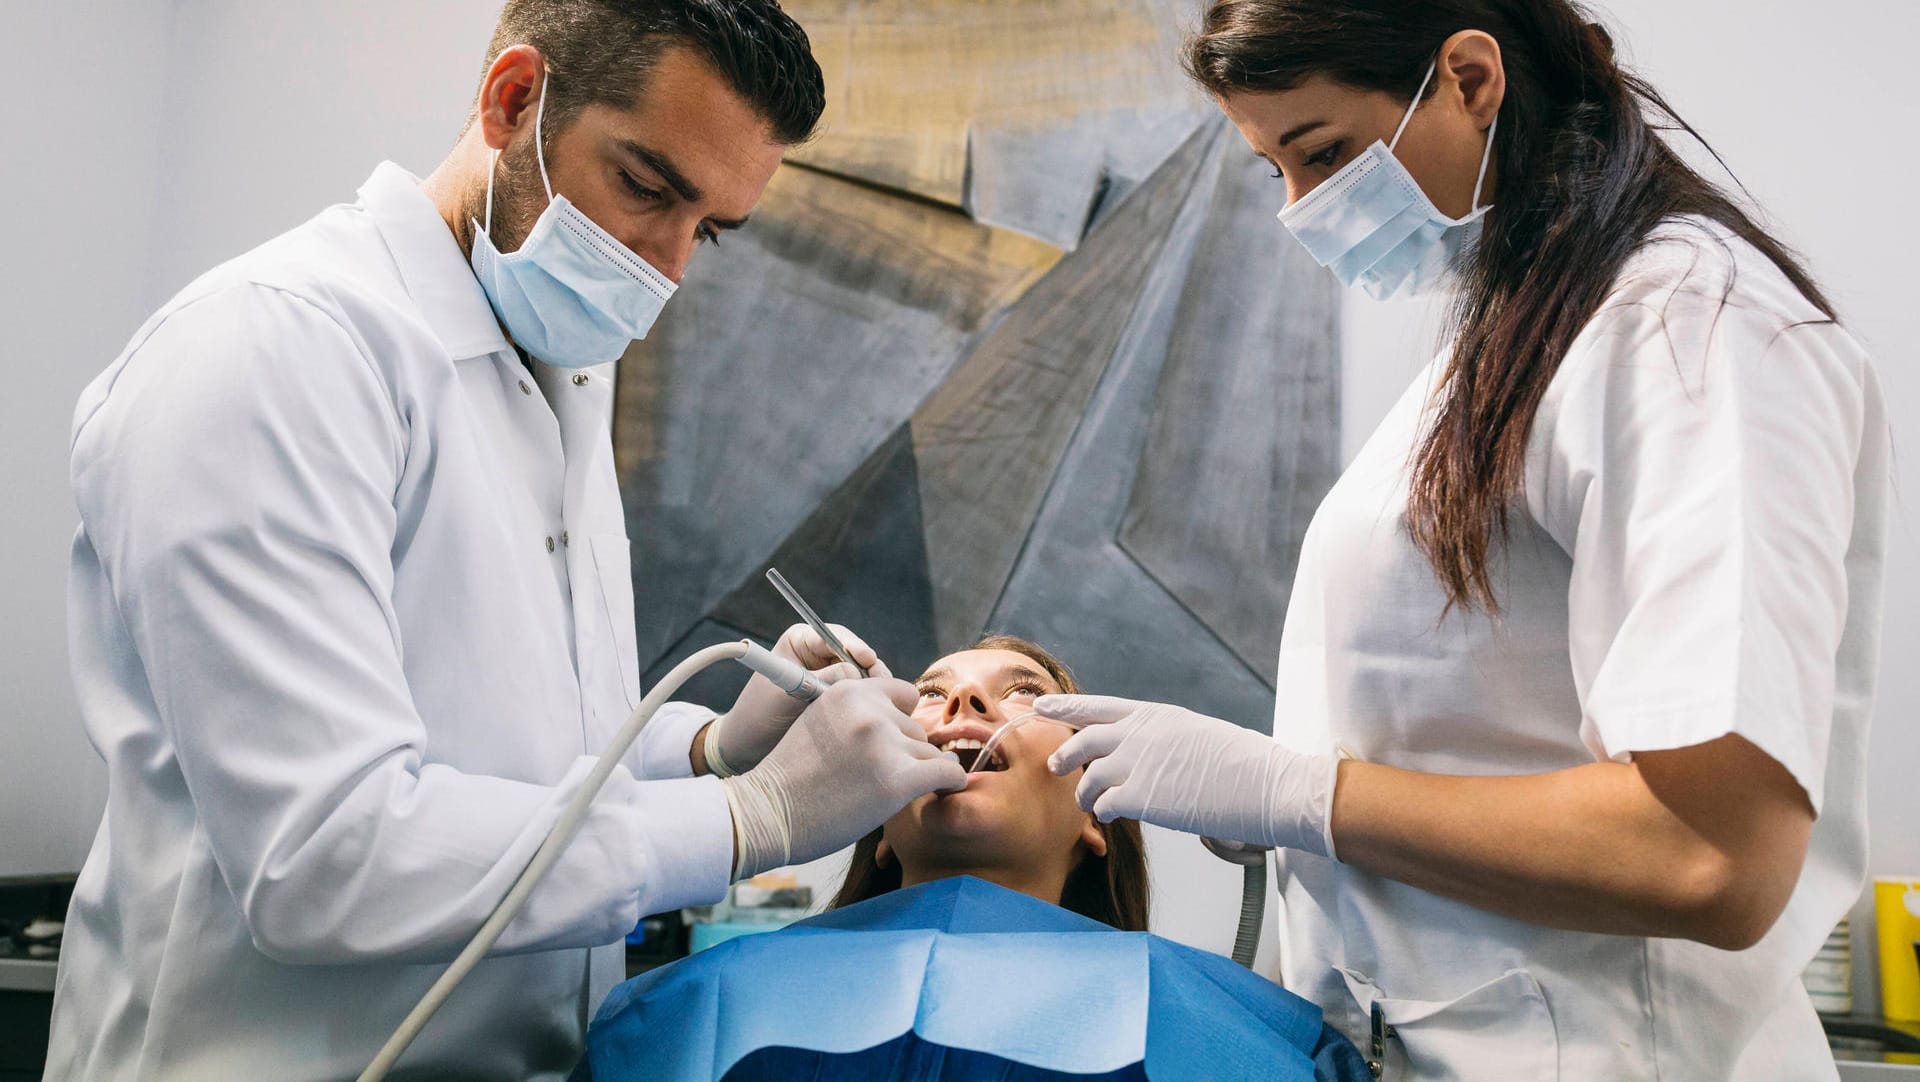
(1240, 448)
(1075, 589)
(939, 426)
(990, 439)
(789, 355)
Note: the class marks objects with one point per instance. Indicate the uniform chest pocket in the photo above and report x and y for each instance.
(612, 567)
(1502, 1029)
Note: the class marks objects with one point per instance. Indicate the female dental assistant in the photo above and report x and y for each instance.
(1574, 684)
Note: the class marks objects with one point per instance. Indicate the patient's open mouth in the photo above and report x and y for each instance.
(968, 752)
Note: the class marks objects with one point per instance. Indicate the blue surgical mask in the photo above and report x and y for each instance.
(570, 295)
(1372, 225)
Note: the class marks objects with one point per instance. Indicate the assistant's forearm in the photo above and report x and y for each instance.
(1588, 848)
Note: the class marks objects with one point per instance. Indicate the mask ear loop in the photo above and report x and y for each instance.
(493, 166)
(1486, 156)
(539, 155)
(1415, 104)
(539, 141)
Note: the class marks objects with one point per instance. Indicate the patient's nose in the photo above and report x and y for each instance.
(966, 702)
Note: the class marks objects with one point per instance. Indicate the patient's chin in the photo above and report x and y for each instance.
(976, 812)
(959, 845)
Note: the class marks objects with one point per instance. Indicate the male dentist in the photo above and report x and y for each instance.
(350, 601)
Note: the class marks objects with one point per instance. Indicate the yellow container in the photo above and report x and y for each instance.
(1896, 911)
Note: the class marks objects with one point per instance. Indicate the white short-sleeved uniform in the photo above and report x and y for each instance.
(1699, 552)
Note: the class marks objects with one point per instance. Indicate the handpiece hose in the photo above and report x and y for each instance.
(789, 676)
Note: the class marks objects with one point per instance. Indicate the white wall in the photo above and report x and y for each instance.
(77, 178)
(278, 110)
(154, 139)
(1807, 103)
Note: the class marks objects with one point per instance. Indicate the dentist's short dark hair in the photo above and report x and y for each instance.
(601, 51)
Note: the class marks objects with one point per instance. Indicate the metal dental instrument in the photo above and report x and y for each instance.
(812, 618)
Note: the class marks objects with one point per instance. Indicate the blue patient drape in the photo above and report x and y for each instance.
(958, 979)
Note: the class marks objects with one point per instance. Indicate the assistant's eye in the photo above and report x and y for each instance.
(707, 234)
(641, 191)
(1328, 154)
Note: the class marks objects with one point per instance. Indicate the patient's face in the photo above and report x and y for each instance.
(1015, 813)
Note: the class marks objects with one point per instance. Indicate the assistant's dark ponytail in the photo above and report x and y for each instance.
(1583, 177)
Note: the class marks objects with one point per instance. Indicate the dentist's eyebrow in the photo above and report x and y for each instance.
(1295, 133)
(664, 166)
(684, 188)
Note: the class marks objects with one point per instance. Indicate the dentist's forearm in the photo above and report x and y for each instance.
(697, 754)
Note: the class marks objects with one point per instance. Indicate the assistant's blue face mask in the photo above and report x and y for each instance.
(1373, 226)
(570, 295)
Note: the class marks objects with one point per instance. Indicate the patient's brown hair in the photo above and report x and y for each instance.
(1110, 889)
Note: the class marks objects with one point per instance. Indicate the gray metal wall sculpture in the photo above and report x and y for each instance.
(1085, 392)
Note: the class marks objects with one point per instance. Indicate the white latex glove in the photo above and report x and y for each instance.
(738, 739)
(1172, 767)
(852, 759)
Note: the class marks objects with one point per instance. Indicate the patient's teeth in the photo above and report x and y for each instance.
(962, 745)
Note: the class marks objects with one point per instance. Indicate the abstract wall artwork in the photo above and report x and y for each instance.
(1014, 345)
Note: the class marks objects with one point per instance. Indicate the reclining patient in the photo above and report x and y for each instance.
(898, 980)
(1015, 824)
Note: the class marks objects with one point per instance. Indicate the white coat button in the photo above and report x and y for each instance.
(524, 389)
(580, 380)
(549, 544)
(563, 537)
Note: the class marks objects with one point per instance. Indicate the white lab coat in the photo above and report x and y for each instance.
(1699, 553)
(350, 613)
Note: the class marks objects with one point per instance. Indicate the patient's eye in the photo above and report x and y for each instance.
(1031, 691)
(930, 693)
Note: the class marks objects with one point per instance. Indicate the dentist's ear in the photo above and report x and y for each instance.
(1093, 836)
(509, 93)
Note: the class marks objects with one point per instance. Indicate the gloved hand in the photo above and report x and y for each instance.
(1170, 766)
(852, 759)
(738, 739)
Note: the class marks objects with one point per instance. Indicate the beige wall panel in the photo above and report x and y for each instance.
(907, 80)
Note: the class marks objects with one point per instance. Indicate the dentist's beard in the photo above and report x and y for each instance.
(518, 198)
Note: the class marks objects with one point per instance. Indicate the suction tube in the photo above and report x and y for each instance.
(789, 676)
(1253, 911)
(1253, 894)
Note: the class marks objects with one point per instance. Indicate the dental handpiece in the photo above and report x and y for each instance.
(812, 618)
(788, 676)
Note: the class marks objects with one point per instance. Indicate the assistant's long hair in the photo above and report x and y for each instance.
(1111, 889)
(1583, 176)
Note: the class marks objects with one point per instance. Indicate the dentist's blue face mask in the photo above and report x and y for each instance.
(570, 295)
(1372, 226)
